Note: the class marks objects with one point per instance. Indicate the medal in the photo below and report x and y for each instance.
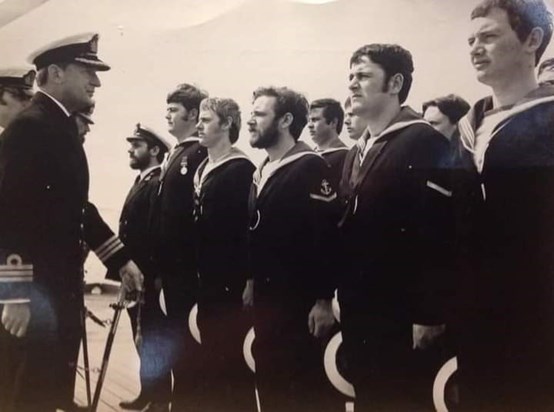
(184, 164)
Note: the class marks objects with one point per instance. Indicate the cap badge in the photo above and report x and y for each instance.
(93, 44)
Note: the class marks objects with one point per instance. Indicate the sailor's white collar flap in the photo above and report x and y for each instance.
(333, 150)
(468, 124)
(400, 125)
(407, 117)
(200, 177)
(299, 151)
(192, 139)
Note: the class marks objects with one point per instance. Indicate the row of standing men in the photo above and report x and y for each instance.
(224, 234)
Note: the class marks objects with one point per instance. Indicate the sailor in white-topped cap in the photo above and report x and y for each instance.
(16, 91)
(45, 221)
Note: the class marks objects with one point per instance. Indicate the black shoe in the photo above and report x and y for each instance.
(138, 404)
(157, 407)
(74, 407)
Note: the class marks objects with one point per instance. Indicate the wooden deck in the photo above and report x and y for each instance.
(122, 378)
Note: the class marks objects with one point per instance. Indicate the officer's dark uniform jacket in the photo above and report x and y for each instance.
(394, 225)
(134, 228)
(44, 210)
(221, 197)
(505, 228)
(45, 217)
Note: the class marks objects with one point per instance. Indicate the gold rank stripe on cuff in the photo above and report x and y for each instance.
(439, 189)
(108, 248)
(16, 273)
(324, 198)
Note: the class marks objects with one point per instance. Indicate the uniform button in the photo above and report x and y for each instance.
(226, 289)
(267, 280)
(410, 167)
(402, 229)
(48, 187)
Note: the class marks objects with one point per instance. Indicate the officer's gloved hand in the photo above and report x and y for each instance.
(131, 276)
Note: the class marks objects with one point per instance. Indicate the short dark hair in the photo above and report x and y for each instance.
(393, 58)
(452, 106)
(224, 109)
(287, 101)
(331, 110)
(524, 16)
(188, 96)
(546, 63)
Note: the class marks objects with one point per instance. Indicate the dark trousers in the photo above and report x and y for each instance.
(290, 376)
(227, 382)
(182, 350)
(510, 386)
(72, 339)
(155, 368)
(427, 363)
(380, 360)
(504, 361)
(36, 370)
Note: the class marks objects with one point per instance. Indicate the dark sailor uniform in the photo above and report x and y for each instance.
(45, 218)
(175, 258)
(505, 235)
(292, 230)
(334, 157)
(221, 196)
(395, 237)
(349, 173)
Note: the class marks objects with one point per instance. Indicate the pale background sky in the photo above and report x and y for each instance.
(230, 47)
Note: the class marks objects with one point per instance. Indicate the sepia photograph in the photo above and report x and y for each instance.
(276, 205)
